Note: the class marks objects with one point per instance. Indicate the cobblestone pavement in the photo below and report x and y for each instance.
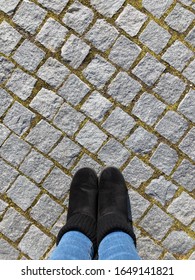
(97, 83)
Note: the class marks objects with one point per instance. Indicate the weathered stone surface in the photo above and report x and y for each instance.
(185, 175)
(8, 175)
(66, 152)
(178, 242)
(46, 103)
(141, 141)
(164, 158)
(148, 108)
(19, 118)
(189, 72)
(5, 101)
(29, 16)
(123, 88)
(102, 35)
(138, 204)
(137, 172)
(161, 189)
(169, 88)
(78, 17)
(8, 6)
(147, 249)
(28, 55)
(21, 84)
(191, 37)
(179, 18)
(87, 161)
(52, 34)
(124, 52)
(172, 126)
(157, 7)
(74, 51)
(108, 153)
(98, 71)
(183, 208)
(6, 68)
(39, 243)
(55, 6)
(96, 106)
(68, 119)
(36, 166)
(4, 133)
(131, 20)
(9, 38)
(151, 34)
(148, 69)
(91, 137)
(43, 136)
(53, 72)
(119, 123)
(7, 251)
(153, 221)
(188, 144)
(73, 90)
(23, 192)
(107, 8)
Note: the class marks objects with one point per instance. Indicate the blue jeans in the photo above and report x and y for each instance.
(74, 245)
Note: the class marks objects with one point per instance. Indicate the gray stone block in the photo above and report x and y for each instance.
(34, 243)
(68, 119)
(157, 7)
(98, 71)
(8, 6)
(164, 158)
(179, 18)
(78, 17)
(148, 108)
(28, 55)
(177, 55)
(161, 189)
(189, 72)
(53, 72)
(113, 153)
(96, 106)
(183, 208)
(124, 52)
(46, 103)
(188, 144)
(153, 221)
(43, 136)
(9, 38)
(4, 133)
(138, 204)
(74, 51)
(141, 141)
(107, 8)
(7, 251)
(66, 152)
(185, 175)
(36, 166)
(123, 88)
(91, 137)
(8, 175)
(178, 242)
(46, 211)
(172, 126)
(151, 34)
(5, 101)
(57, 183)
(148, 250)
(170, 88)
(23, 192)
(148, 69)
(55, 6)
(131, 20)
(21, 84)
(119, 123)
(13, 224)
(29, 16)
(191, 37)
(102, 35)
(14, 150)
(87, 161)
(6, 68)
(73, 90)
(137, 172)
(19, 118)
(52, 35)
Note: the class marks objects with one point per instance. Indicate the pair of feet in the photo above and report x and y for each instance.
(98, 206)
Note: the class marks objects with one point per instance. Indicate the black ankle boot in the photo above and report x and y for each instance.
(113, 205)
(82, 210)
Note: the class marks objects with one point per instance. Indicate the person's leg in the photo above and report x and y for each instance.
(73, 245)
(117, 245)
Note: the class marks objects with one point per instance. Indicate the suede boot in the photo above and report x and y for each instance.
(82, 210)
(113, 205)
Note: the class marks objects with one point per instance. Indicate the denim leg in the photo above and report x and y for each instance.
(73, 245)
(117, 245)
